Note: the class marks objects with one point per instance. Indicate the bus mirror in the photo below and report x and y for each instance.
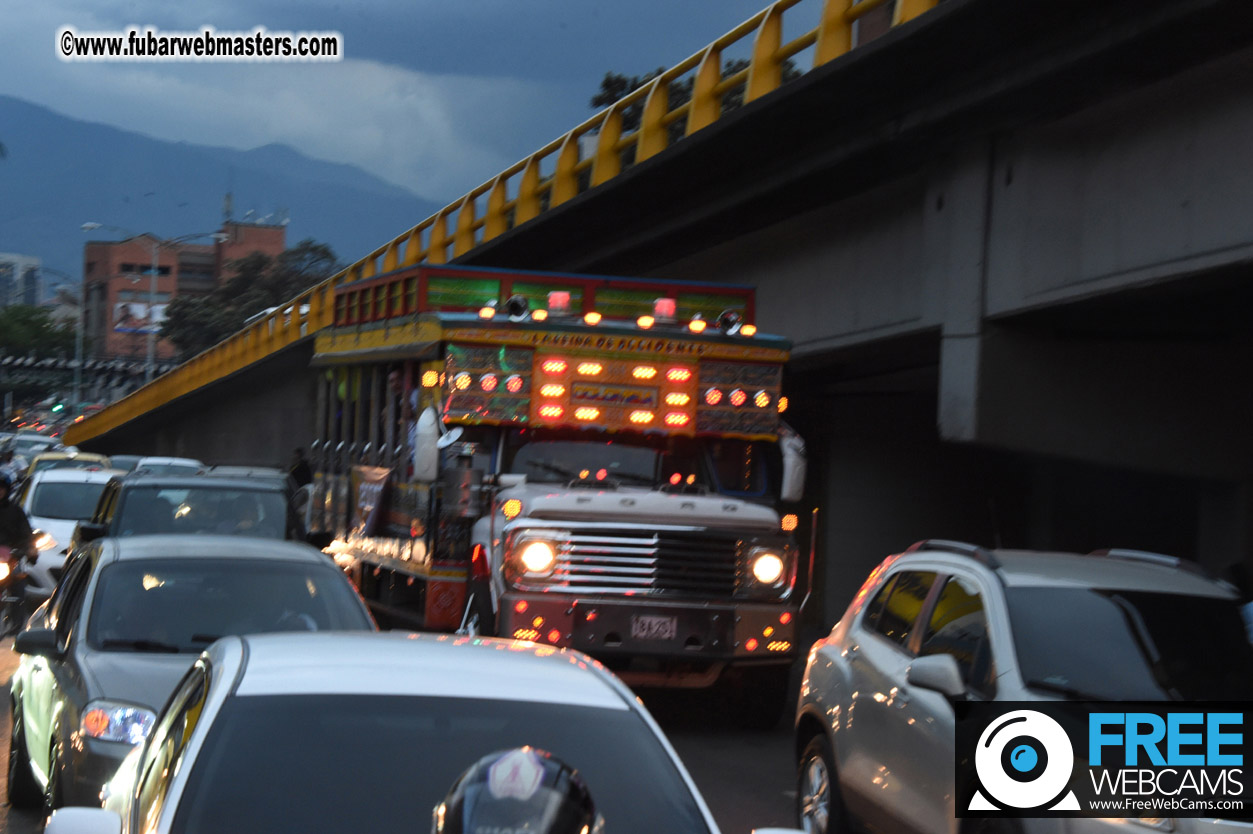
(792, 445)
(426, 447)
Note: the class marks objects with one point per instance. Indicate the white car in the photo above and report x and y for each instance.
(337, 733)
(156, 465)
(55, 501)
(948, 621)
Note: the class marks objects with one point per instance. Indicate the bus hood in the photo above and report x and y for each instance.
(552, 502)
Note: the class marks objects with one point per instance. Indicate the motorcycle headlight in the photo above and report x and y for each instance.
(113, 721)
(44, 541)
(768, 566)
(4, 571)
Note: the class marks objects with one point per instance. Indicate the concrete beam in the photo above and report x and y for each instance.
(1172, 407)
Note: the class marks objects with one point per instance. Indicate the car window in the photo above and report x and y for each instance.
(894, 618)
(216, 509)
(185, 604)
(958, 626)
(875, 609)
(56, 600)
(108, 502)
(65, 500)
(165, 750)
(1153, 646)
(410, 749)
(64, 609)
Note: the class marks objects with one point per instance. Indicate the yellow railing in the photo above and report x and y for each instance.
(459, 227)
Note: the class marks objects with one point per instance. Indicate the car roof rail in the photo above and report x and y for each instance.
(974, 551)
(1152, 558)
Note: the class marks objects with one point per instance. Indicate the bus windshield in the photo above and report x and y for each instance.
(743, 468)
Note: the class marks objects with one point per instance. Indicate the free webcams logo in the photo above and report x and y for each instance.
(1024, 761)
(1111, 759)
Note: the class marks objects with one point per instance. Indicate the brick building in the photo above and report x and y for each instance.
(121, 308)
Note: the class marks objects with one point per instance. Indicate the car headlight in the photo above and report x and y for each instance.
(113, 721)
(767, 566)
(44, 541)
(537, 557)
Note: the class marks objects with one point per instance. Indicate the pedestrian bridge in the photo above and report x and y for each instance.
(1009, 240)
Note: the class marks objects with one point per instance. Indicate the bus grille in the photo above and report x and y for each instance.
(690, 563)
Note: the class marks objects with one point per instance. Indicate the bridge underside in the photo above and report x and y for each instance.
(1011, 244)
(256, 416)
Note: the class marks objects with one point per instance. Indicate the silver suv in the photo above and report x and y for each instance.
(947, 620)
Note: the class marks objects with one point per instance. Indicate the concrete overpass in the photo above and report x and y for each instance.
(1010, 241)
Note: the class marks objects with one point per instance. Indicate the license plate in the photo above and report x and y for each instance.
(653, 627)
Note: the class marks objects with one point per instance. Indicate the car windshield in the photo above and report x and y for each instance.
(1153, 646)
(24, 446)
(61, 500)
(183, 605)
(410, 750)
(226, 510)
(65, 463)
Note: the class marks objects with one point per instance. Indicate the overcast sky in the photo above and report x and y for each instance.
(434, 97)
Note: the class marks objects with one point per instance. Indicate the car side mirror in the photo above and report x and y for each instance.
(938, 672)
(90, 531)
(38, 641)
(83, 821)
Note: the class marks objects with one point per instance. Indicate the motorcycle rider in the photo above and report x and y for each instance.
(524, 790)
(15, 532)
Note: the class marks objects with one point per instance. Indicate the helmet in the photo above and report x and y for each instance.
(519, 791)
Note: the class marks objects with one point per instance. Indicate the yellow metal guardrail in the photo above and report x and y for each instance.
(458, 227)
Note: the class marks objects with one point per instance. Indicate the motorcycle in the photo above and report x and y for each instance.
(13, 607)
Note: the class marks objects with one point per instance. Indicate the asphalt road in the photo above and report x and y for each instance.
(747, 778)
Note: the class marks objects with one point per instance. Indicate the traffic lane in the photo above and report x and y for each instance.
(12, 821)
(748, 777)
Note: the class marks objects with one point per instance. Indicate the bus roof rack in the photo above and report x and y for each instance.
(974, 551)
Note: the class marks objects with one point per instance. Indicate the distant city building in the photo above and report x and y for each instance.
(63, 306)
(20, 279)
(121, 308)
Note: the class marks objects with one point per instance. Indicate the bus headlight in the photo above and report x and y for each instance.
(536, 557)
(767, 567)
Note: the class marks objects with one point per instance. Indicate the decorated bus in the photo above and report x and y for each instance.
(580, 461)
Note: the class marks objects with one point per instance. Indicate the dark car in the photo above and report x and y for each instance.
(144, 504)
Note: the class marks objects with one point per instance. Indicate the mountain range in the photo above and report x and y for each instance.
(59, 173)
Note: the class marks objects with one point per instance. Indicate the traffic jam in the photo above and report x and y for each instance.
(536, 502)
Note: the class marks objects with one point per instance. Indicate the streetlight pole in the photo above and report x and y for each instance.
(151, 365)
(79, 326)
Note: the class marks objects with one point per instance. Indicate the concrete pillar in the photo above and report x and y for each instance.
(955, 251)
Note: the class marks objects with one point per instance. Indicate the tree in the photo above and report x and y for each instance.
(31, 331)
(257, 282)
(615, 85)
